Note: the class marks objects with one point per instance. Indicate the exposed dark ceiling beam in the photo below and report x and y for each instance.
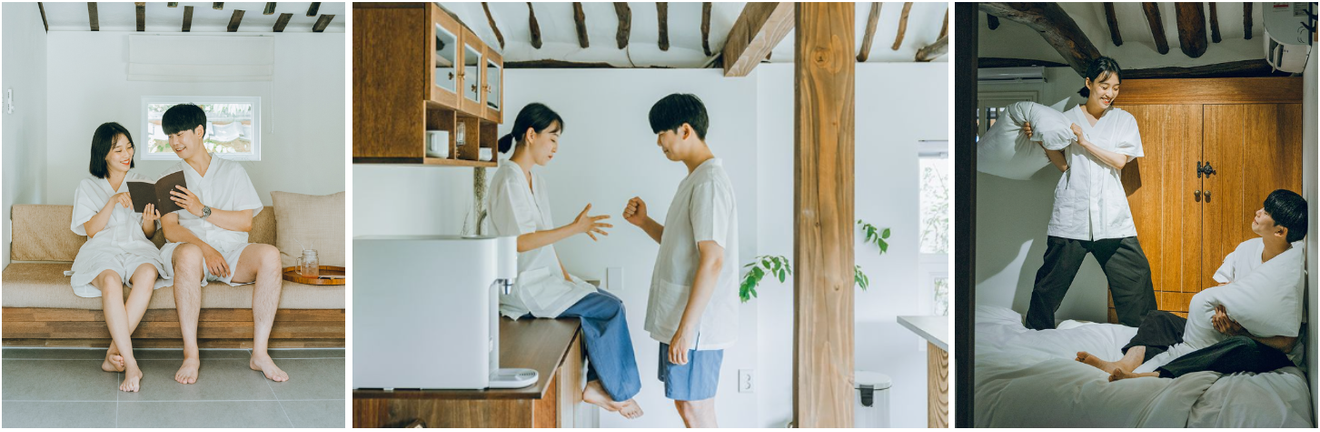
(1053, 24)
(625, 24)
(1214, 23)
(235, 20)
(322, 23)
(282, 22)
(1246, 20)
(533, 26)
(941, 45)
(140, 9)
(759, 28)
(580, 22)
(172, 4)
(1112, 19)
(1191, 28)
(42, 8)
(314, 9)
(269, 10)
(662, 14)
(490, 19)
(1152, 11)
(187, 19)
(992, 22)
(705, 27)
(218, 5)
(902, 25)
(869, 34)
(92, 16)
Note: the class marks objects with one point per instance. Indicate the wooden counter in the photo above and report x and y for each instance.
(552, 347)
(935, 330)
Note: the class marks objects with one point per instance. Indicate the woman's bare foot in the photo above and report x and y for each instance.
(267, 367)
(1085, 357)
(187, 373)
(132, 379)
(630, 409)
(113, 362)
(595, 394)
(1120, 374)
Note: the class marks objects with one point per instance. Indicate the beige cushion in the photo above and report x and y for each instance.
(44, 285)
(311, 221)
(41, 232)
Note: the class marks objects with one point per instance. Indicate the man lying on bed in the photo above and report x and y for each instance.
(1212, 341)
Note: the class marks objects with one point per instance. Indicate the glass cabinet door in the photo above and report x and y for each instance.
(446, 58)
(494, 99)
(472, 58)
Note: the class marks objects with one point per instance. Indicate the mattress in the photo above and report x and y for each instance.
(1029, 378)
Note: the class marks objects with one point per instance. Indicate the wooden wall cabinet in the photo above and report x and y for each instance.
(397, 98)
(1248, 129)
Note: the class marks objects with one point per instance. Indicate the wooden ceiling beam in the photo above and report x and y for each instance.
(187, 19)
(235, 20)
(282, 22)
(944, 29)
(902, 25)
(625, 24)
(869, 34)
(580, 21)
(218, 5)
(1191, 28)
(172, 4)
(1152, 11)
(941, 45)
(758, 29)
(1246, 20)
(42, 9)
(1053, 24)
(1236, 69)
(490, 20)
(533, 26)
(662, 14)
(140, 9)
(705, 27)
(269, 10)
(92, 16)
(992, 22)
(1112, 18)
(314, 9)
(1214, 23)
(322, 23)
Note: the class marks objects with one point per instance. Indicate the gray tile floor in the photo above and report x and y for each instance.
(45, 387)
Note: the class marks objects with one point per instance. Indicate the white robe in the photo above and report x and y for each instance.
(225, 186)
(1089, 201)
(120, 246)
(514, 210)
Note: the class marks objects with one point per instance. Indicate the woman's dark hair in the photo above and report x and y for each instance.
(1102, 66)
(181, 117)
(672, 111)
(103, 141)
(1288, 209)
(536, 116)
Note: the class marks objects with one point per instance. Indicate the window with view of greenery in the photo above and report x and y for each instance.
(232, 127)
(935, 205)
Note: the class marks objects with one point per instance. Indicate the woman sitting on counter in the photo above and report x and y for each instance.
(520, 206)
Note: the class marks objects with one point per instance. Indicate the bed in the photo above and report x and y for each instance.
(1029, 378)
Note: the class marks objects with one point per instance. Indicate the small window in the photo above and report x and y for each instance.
(233, 127)
(933, 264)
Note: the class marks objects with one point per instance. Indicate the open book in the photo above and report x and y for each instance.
(158, 193)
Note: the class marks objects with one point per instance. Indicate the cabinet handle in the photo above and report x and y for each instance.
(474, 88)
(1197, 194)
(1207, 196)
(451, 76)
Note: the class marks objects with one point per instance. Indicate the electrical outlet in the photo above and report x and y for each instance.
(745, 381)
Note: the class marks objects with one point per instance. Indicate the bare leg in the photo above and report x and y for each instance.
(188, 274)
(1130, 361)
(260, 263)
(144, 280)
(1120, 374)
(697, 414)
(595, 394)
(116, 319)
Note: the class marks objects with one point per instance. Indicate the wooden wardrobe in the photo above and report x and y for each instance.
(1214, 149)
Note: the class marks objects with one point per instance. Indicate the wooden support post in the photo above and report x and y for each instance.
(92, 16)
(662, 14)
(187, 19)
(1112, 18)
(140, 8)
(1214, 23)
(902, 25)
(705, 27)
(871, 21)
(756, 32)
(1058, 29)
(1246, 20)
(625, 24)
(282, 22)
(491, 21)
(322, 23)
(533, 26)
(823, 215)
(234, 20)
(1191, 28)
(1152, 11)
(964, 205)
(580, 21)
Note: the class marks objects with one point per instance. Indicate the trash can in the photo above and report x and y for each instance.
(871, 406)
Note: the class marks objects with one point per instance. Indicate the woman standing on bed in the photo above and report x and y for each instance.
(117, 248)
(1091, 214)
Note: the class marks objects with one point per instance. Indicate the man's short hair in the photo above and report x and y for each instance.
(1288, 209)
(182, 117)
(672, 111)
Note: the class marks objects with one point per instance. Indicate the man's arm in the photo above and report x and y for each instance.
(1281, 343)
(1226, 325)
(214, 261)
(703, 286)
(233, 220)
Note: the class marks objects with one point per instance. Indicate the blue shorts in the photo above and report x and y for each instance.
(695, 380)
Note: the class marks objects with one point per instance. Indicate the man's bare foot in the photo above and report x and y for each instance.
(1085, 357)
(132, 379)
(1120, 374)
(630, 409)
(595, 394)
(113, 362)
(187, 373)
(267, 367)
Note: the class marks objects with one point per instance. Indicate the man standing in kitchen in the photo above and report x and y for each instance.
(693, 306)
(208, 240)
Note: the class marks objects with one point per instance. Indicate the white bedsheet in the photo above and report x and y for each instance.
(1029, 378)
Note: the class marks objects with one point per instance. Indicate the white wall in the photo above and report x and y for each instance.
(1310, 134)
(303, 110)
(24, 70)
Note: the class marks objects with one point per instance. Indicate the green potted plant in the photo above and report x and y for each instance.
(777, 266)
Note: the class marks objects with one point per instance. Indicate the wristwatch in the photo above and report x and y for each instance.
(206, 211)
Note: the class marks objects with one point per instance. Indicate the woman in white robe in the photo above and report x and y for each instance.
(118, 248)
(519, 205)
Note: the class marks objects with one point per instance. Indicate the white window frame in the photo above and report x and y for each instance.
(1000, 99)
(145, 127)
(931, 266)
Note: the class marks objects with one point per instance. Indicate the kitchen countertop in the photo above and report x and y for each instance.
(934, 328)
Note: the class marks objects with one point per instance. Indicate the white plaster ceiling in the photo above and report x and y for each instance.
(159, 18)
(560, 41)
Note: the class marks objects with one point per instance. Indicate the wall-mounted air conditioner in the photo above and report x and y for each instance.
(1287, 38)
(1011, 75)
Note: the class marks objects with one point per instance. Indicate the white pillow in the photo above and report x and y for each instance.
(1267, 302)
(1004, 151)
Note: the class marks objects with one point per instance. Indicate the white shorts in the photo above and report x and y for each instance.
(231, 258)
(124, 264)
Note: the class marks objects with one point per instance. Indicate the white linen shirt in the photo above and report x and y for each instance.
(225, 186)
(515, 210)
(1245, 259)
(121, 234)
(703, 209)
(1089, 202)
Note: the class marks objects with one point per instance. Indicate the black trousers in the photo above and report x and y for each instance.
(1160, 330)
(1124, 264)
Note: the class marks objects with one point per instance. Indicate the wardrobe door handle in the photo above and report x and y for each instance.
(1207, 196)
(1197, 194)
